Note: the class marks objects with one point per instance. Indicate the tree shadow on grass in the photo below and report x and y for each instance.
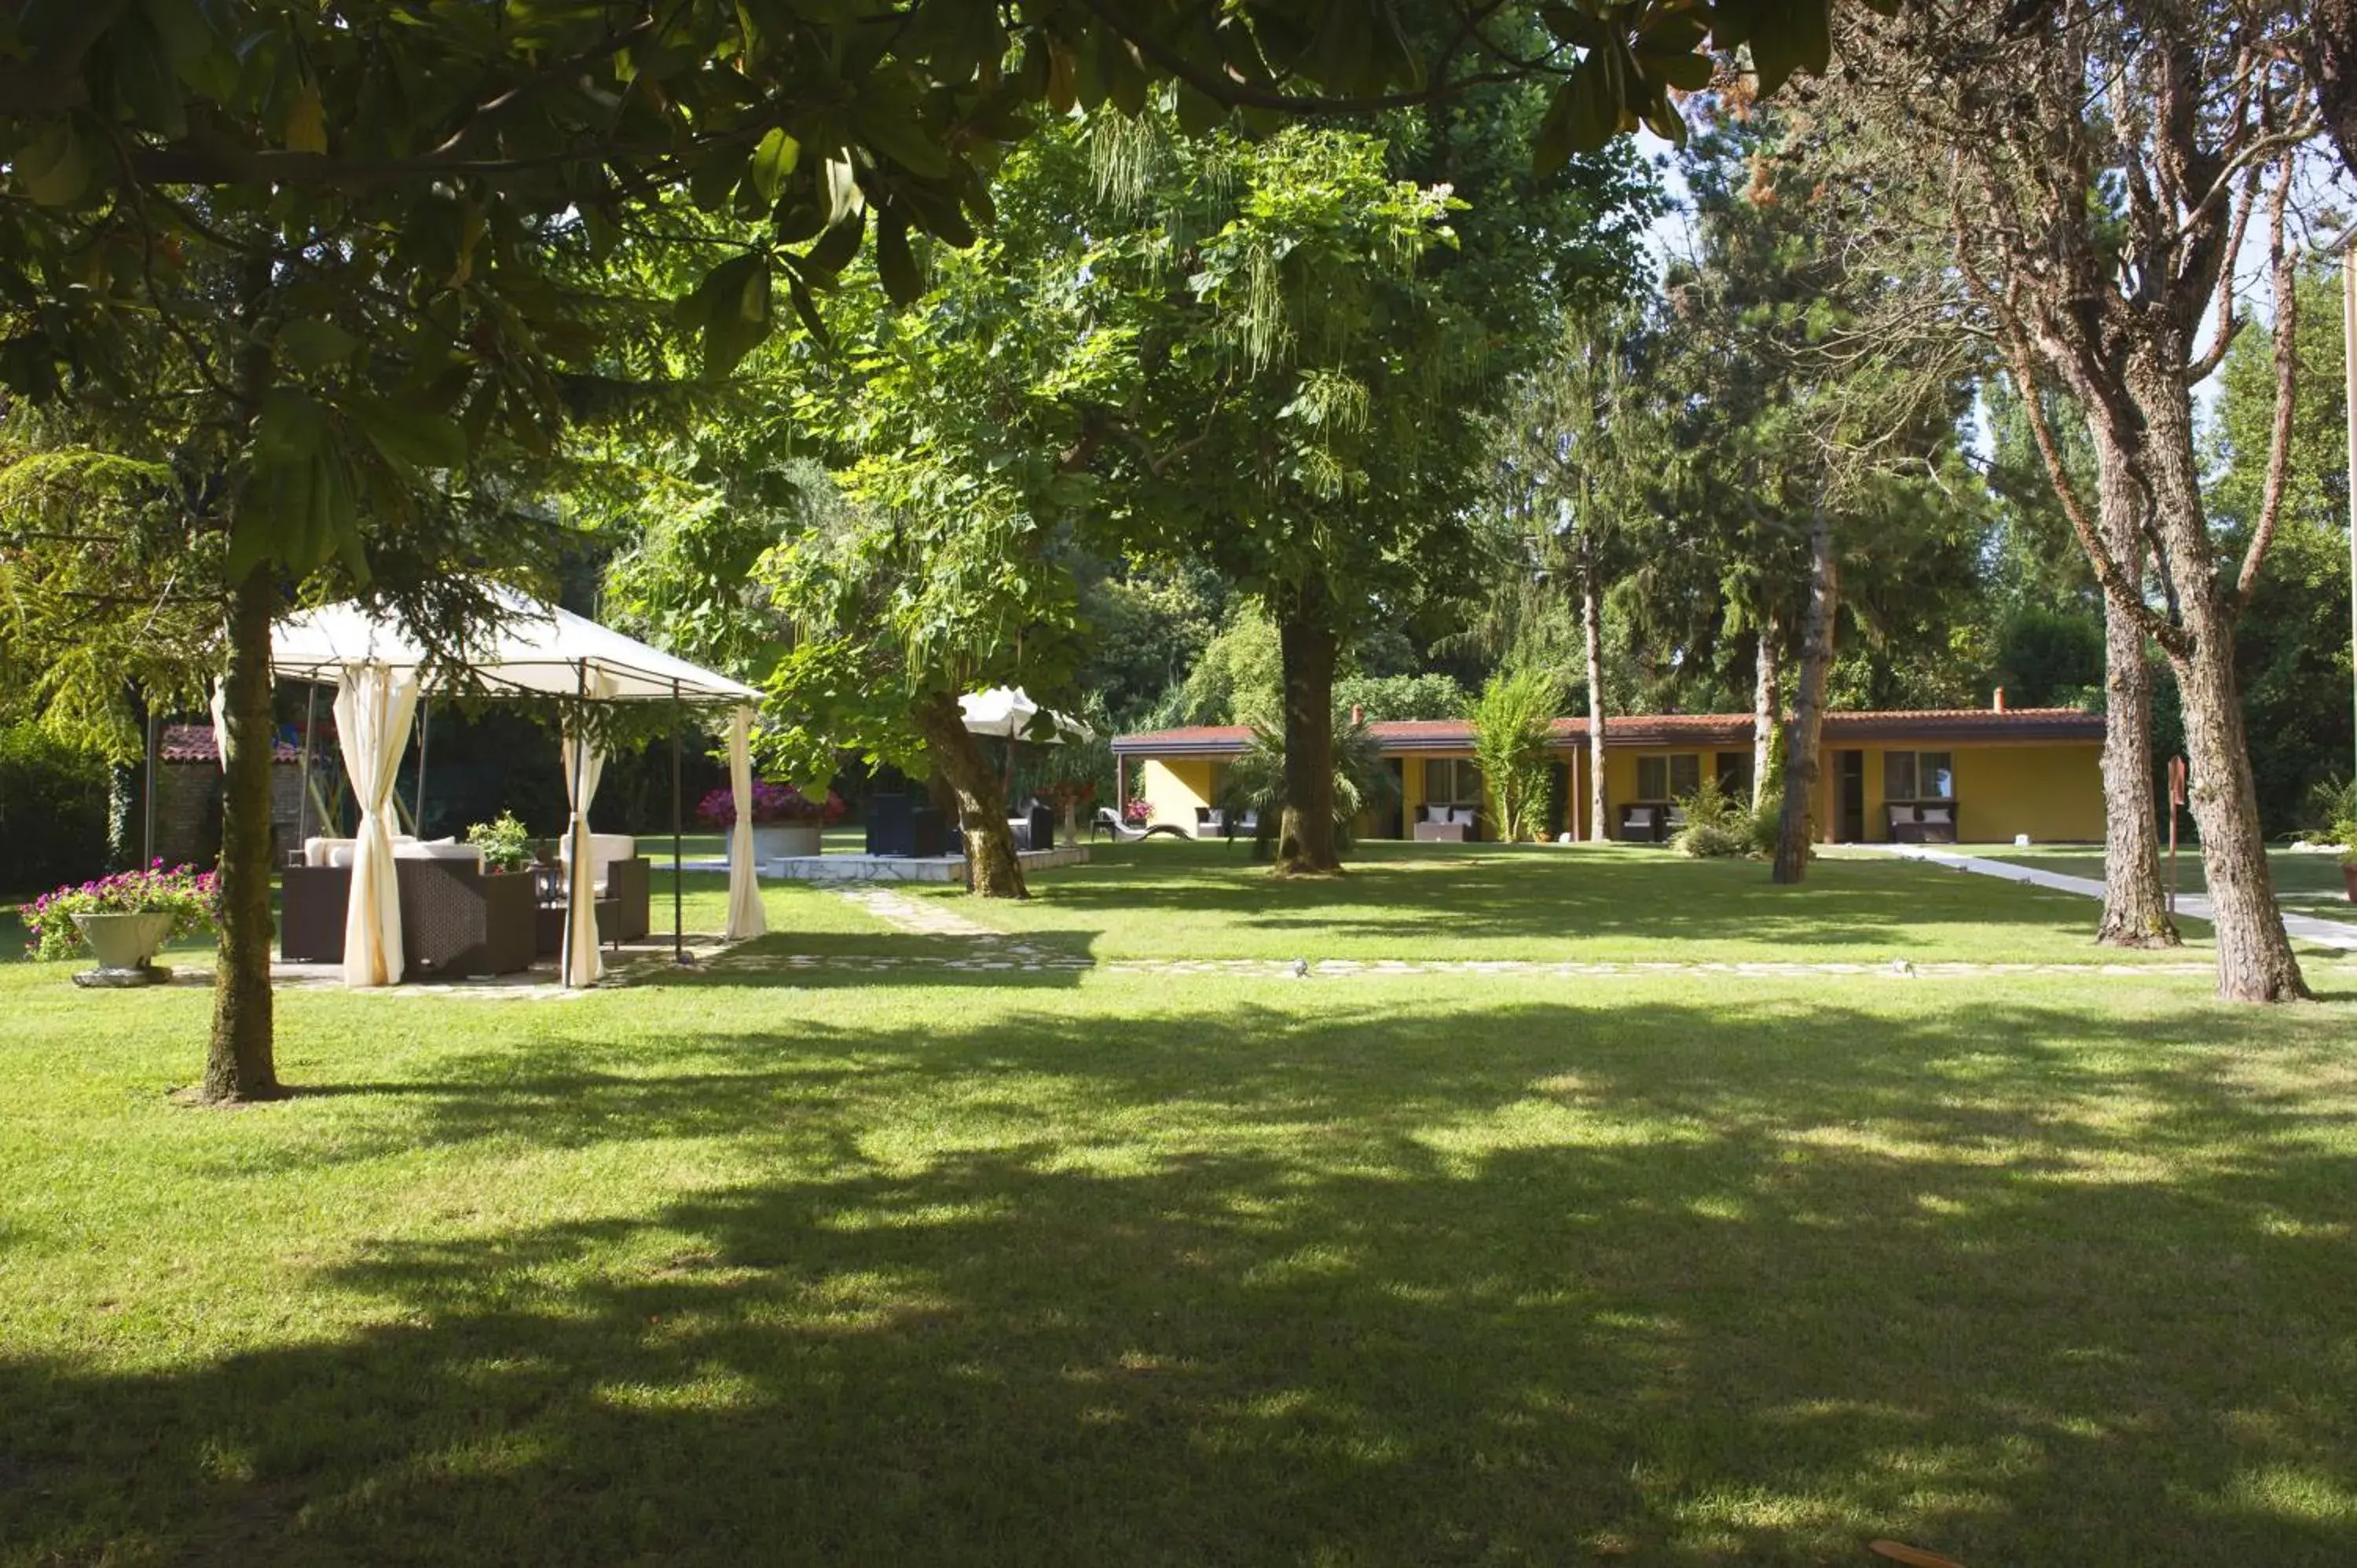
(1469, 897)
(1501, 1282)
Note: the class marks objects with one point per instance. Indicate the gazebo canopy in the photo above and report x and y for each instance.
(534, 649)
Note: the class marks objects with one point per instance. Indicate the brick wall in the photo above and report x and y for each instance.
(188, 812)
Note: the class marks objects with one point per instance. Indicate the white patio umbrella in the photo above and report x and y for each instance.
(1009, 711)
(536, 648)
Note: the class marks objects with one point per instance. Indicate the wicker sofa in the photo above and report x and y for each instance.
(456, 918)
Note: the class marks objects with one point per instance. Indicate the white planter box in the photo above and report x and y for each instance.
(784, 841)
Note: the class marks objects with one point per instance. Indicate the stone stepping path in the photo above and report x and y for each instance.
(916, 916)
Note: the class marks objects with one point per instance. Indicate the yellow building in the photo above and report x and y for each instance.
(1972, 775)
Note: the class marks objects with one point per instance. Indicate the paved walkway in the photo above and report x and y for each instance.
(2303, 928)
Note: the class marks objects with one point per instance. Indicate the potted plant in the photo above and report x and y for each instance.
(786, 822)
(126, 919)
(2348, 858)
(504, 843)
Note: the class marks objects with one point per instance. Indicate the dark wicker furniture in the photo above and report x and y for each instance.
(1922, 822)
(629, 887)
(455, 920)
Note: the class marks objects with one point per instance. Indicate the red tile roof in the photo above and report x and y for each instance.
(194, 743)
(1955, 724)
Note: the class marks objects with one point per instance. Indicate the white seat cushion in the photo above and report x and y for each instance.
(438, 849)
(604, 850)
(1935, 816)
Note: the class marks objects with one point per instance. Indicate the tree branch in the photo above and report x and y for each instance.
(2286, 345)
(2117, 587)
(2230, 327)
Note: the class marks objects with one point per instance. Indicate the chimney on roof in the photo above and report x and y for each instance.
(1998, 701)
(1358, 715)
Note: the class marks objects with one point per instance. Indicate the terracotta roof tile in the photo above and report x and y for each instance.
(194, 743)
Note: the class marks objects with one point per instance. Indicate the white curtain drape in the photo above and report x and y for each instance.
(374, 705)
(220, 725)
(584, 965)
(745, 915)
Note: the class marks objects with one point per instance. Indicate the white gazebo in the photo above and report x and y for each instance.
(532, 650)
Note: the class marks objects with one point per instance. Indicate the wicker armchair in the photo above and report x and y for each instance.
(456, 921)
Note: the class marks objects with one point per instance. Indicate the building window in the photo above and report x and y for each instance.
(1918, 776)
(1672, 777)
(1735, 774)
(1451, 782)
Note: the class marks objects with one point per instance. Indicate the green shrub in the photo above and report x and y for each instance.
(2331, 812)
(53, 803)
(505, 844)
(1718, 826)
(1513, 720)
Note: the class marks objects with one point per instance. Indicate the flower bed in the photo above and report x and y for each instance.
(771, 804)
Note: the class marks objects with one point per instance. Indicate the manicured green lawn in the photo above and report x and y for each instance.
(1613, 902)
(2303, 878)
(1104, 1267)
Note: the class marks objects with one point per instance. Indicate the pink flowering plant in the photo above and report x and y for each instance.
(190, 897)
(771, 804)
(1135, 811)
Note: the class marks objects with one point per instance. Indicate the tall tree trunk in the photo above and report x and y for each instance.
(1591, 621)
(2135, 909)
(1306, 843)
(1793, 827)
(238, 1064)
(1766, 709)
(990, 869)
(2255, 956)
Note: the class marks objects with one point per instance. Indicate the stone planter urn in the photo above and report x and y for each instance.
(126, 946)
(2349, 876)
(784, 841)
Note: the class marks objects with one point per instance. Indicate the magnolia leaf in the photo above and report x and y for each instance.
(894, 130)
(773, 160)
(1198, 111)
(306, 122)
(894, 262)
(1122, 74)
(1686, 71)
(839, 244)
(409, 437)
(1788, 36)
(841, 182)
(1551, 148)
(145, 78)
(710, 183)
(54, 167)
(314, 343)
(735, 311)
